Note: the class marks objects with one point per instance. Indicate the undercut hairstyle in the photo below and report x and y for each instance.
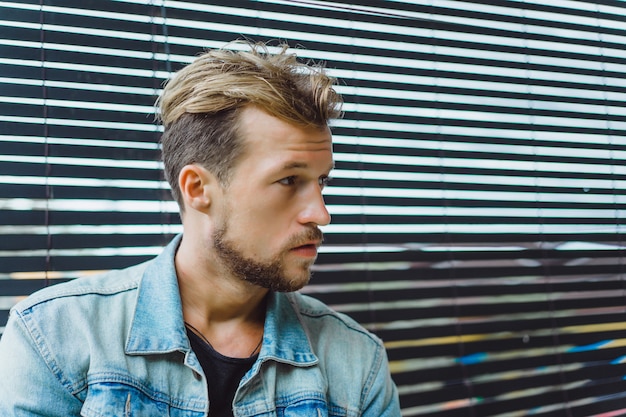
(200, 106)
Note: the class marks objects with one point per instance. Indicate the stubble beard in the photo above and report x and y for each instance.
(268, 274)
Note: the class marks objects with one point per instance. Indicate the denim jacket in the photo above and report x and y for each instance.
(116, 345)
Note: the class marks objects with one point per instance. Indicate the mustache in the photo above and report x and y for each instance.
(306, 237)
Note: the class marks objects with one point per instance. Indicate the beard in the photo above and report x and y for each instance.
(270, 273)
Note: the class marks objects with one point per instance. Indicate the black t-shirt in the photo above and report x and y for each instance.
(223, 375)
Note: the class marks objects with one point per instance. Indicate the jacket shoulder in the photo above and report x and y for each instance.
(349, 356)
(108, 283)
(317, 315)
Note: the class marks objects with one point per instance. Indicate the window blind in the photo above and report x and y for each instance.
(477, 201)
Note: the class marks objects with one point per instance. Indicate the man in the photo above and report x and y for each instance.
(212, 325)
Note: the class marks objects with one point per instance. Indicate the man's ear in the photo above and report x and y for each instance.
(197, 185)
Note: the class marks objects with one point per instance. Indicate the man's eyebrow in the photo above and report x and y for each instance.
(295, 165)
(302, 165)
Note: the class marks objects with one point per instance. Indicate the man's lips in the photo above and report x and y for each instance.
(308, 249)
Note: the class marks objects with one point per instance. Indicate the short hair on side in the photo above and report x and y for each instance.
(200, 105)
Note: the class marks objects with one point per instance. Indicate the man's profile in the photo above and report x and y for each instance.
(213, 325)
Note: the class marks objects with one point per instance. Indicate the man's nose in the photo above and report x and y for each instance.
(315, 210)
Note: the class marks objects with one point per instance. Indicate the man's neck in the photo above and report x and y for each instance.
(228, 312)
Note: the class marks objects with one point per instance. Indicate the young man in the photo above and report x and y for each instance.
(213, 325)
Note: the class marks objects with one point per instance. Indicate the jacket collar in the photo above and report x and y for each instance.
(285, 339)
(158, 325)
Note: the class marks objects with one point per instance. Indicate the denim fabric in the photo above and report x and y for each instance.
(115, 345)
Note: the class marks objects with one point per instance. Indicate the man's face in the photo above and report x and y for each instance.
(266, 230)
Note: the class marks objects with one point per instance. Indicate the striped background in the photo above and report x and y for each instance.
(478, 197)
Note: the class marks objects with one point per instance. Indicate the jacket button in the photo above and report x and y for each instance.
(197, 375)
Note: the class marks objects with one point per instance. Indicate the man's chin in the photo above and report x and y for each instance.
(291, 285)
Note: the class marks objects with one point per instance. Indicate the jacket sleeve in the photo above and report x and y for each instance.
(381, 399)
(29, 384)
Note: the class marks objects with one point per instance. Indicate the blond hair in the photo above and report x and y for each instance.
(199, 106)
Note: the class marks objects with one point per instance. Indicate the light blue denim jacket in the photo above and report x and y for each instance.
(116, 345)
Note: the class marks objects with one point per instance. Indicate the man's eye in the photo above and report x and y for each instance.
(323, 181)
(288, 181)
